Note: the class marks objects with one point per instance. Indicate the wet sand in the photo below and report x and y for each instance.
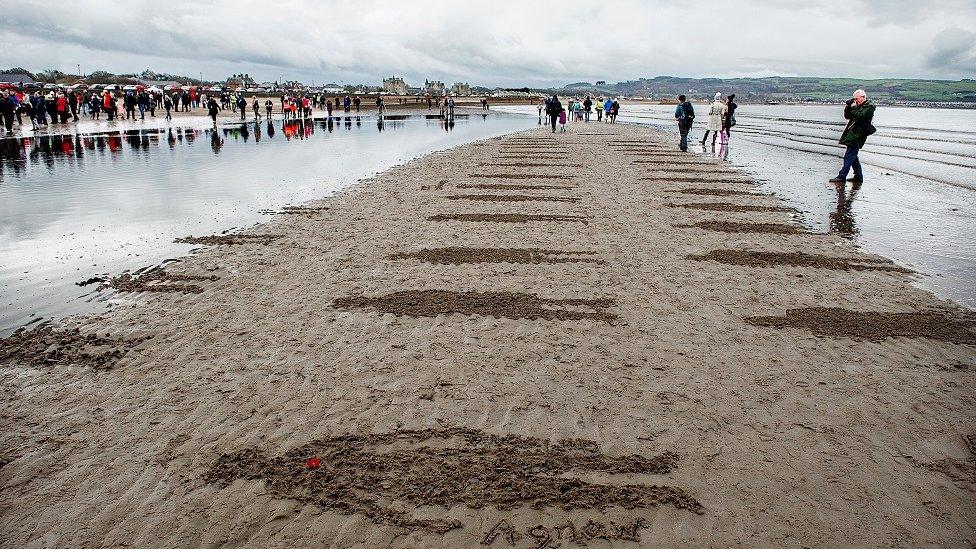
(626, 361)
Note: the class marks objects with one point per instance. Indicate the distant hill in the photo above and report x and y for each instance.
(790, 88)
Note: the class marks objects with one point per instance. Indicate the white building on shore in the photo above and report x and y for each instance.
(461, 88)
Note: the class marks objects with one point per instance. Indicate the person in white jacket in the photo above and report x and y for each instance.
(714, 119)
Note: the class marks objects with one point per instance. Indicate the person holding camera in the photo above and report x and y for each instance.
(859, 113)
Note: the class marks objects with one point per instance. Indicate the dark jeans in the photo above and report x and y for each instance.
(684, 126)
(552, 118)
(851, 161)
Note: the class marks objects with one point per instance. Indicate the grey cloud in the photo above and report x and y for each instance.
(953, 48)
(506, 42)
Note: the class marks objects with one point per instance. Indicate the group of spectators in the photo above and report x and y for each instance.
(578, 110)
(43, 108)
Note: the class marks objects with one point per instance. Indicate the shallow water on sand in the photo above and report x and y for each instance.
(917, 205)
(86, 205)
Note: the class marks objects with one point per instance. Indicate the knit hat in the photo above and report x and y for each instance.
(718, 95)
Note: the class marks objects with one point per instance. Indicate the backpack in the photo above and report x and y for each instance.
(689, 112)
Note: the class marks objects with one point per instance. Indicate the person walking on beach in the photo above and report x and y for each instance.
(859, 113)
(714, 119)
(562, 120)
(213, 109)
(728, 116)
(168, 105)
(143, 100)
(587, 107)
(7, 109)
(614, 111)
(599, 110)
(607, 106)
(256, 107)
(379, 105)
(685, 116)
(268, 107)
(242, 106)
(553, 108)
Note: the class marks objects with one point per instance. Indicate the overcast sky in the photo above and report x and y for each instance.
(494, 42)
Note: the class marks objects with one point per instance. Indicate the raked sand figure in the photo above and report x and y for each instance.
(384, 477)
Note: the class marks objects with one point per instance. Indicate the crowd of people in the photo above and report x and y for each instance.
(45, 108)
(577, 110)
(63, 106)
(721, 119)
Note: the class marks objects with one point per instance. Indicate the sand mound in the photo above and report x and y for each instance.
(872, 326)
(530, 165)
(797, 259)
(716, 192)
(727, 207)
(520, 176)
(430, 303)
(512, 187)
(458, 256)
(507, 218)
(229, 239)
(45, 346)
(734, 227)
(512, 198)
(157, 280)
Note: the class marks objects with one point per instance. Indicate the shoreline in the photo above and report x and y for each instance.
(618, 310)
(37, 304)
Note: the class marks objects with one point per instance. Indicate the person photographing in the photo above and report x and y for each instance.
(859, 113)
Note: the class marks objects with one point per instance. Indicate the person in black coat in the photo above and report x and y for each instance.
(7, 108)
(728, 117)
(553, 108)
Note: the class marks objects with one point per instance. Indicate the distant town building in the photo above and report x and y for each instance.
(394, 85)
(434, 87)
(461, 88)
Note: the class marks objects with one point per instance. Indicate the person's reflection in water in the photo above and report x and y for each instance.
(257, 131)
(245, 132)
(348, 123)
(171, 139)
(359, 122)
(842, 219)
(216, 141)
(448, 124)
(271, 131)
(379, 124)
(330, 126)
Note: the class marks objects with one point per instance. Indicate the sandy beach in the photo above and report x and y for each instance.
(542, 340)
